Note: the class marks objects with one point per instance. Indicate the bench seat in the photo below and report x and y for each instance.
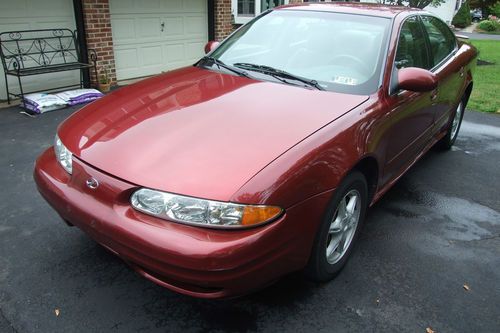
(49, 69)
(33, 52)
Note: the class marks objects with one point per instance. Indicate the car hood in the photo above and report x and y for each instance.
(197, 132)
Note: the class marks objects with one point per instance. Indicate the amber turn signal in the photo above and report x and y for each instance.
(253, 215)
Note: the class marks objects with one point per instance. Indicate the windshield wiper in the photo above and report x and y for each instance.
(278, 73)
(219, 63)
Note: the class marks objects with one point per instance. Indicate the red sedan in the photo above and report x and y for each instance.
(261, 159)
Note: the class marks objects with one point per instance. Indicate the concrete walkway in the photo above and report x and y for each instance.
(475, 35)
(469, 32)
(470, 28)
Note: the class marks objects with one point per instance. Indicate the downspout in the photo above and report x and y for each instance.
(82, 39)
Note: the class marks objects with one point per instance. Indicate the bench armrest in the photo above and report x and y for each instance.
(16, 63)
(92, 56)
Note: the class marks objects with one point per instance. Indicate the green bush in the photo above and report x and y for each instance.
(489, 25)
(462, 18)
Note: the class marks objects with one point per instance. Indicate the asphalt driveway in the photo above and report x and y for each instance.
(437, 230)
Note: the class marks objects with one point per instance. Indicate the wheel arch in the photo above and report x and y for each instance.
(369, 167)
(468, 92)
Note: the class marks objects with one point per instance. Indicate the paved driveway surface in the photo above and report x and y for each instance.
(436, 230)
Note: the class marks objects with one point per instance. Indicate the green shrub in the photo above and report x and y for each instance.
(489, 25)
(462, 18)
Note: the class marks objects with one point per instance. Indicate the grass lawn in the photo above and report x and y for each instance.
(486, 92)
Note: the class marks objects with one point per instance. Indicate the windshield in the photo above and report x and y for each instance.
(342, 52)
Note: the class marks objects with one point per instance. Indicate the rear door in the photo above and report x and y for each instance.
(443, 48)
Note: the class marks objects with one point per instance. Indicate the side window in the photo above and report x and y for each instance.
(442, 41)
(412, 49)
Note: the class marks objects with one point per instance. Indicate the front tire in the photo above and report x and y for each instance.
(451, 136)
(339, 230)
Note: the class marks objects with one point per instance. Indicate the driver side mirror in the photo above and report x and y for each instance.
(210, 46)
(416, 79)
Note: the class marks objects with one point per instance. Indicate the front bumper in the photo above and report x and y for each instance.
(191, 260)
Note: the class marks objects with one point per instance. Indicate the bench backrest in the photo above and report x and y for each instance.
(38, 48)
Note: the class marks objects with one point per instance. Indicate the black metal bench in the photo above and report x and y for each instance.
(33, 52)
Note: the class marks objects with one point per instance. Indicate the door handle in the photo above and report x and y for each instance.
(434, 95)
(461, 71)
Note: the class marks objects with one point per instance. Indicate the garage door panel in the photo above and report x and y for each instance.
(147, 5)
(152, 56)
(61, 24)
(149, 27)
(52, 7)
(12, 26)
(121, 6)
(126, 59)
(123, 29)
(35, 8)
(172, 6)
(196, 26)
(138, 25)
(174, 53)
(195, 5)
(13, 7)
(193, 51)
(174, 26)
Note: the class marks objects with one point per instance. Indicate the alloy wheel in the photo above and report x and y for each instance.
(343, 226)
(456, 121)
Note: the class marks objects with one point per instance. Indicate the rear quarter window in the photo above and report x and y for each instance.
(441, 40)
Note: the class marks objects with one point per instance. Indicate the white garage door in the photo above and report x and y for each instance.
(36, 14)
(151, 36)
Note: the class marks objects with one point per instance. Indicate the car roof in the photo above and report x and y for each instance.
(372, 9)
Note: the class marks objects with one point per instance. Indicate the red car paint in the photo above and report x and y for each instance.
(222, 137)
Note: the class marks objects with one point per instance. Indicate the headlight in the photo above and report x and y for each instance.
(63, 155)
(201, 212)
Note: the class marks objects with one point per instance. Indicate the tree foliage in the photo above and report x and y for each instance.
(414, 3)
(462, 18)
(495, 9)
(483, 4)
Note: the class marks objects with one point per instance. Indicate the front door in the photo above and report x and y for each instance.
(411, 114)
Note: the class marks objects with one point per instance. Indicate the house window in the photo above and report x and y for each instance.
(245, 10)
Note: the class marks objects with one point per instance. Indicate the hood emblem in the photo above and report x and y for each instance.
(92, 183)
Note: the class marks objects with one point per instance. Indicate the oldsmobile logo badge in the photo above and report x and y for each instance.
(92, 183)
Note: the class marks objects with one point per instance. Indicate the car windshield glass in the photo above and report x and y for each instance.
(341, 52)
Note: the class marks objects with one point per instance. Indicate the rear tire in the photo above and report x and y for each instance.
(339, 229)
(451, 135)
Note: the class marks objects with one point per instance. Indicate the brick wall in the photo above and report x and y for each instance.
(98, 32)
(224, 20)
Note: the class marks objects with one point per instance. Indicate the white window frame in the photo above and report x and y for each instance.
(245, 19)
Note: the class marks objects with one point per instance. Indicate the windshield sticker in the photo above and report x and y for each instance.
(345, 80)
